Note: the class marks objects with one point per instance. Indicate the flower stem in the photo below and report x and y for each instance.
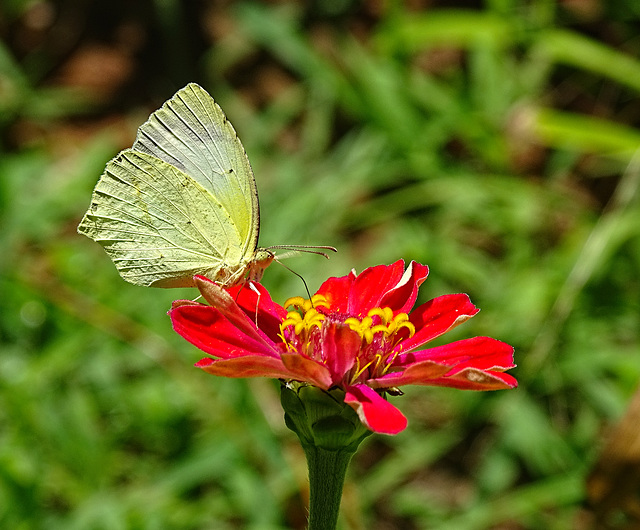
(327, 471)
(330, 432)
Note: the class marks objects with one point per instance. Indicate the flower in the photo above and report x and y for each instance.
(357, 333)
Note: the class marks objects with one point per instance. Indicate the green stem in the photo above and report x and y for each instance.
(327, 471)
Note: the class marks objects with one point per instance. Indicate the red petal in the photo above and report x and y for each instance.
(268, 316)
(336, 292)
(249, 366)
(208, 329)
(417, 373)
(265, 315)
(340, 346)
(371, 285)
(374, 411)
(438, 316)
(402, 297)
(478, 352)
(474, 364)
(379, 286)
(250, 295)
(474, 379)
(302, 368)
(179, 303)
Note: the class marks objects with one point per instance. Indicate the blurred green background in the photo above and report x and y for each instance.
(496, 141)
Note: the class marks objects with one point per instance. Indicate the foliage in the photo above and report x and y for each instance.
(498, 145)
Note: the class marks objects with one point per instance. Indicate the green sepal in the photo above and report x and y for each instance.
(321, 417)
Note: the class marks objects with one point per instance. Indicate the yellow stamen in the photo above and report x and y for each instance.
(295, 301)
(385, 313)
(302, 323)
(388, 325)
(317, 300)
(355, 325)
(292, 318)
(397, 326)
(380, 328)
(359, 371)
(390, 360)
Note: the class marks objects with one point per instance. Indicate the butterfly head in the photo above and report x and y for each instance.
(255, 268)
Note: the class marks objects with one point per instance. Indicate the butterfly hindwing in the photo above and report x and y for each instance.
(158, 225)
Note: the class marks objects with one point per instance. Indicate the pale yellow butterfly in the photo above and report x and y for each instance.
(181, 201)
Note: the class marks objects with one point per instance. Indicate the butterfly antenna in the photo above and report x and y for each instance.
(306, 287)
(309, 249)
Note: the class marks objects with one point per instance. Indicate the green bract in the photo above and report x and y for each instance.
(322, 418)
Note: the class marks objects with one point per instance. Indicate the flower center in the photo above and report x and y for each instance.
(380, 331)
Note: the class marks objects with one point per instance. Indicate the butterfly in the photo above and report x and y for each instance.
(182, 201)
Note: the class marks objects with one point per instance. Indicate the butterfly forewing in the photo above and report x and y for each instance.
(191, 132)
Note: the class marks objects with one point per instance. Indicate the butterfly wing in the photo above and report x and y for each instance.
(192, 133)
(155, 223)
(181, 201)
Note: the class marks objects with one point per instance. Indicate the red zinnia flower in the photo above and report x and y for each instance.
(357, 333)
